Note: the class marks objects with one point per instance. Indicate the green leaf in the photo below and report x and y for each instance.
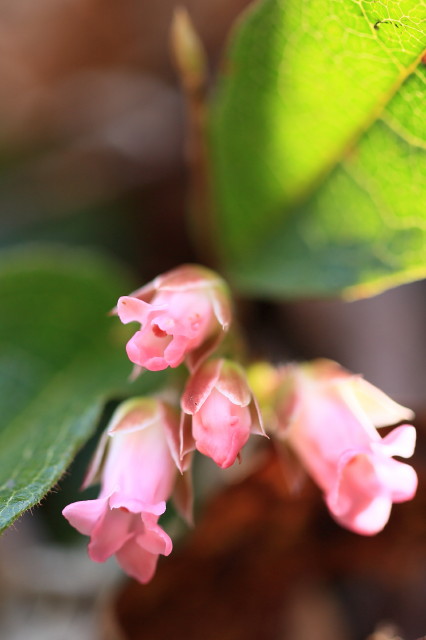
(318, 143)
(61, 358)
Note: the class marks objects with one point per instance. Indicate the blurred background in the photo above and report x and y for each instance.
(93, 154)
(92, 124)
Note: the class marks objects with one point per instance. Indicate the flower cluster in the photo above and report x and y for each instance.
(328, 417)
(184, 314)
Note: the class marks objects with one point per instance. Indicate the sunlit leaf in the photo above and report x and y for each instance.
(318, 143)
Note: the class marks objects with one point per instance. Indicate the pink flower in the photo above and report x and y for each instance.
(223, 410)
(330, 420)
(137, 478)
(183, 314)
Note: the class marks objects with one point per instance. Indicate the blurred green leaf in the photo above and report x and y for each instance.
(61, 358)
(318, 143)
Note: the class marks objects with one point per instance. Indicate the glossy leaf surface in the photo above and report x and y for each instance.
(318, 142)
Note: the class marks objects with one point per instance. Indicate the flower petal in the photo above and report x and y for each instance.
(380, 409)
(221, 429)
(134, 505)
(136, 561)
(172, 429)
(110, 533)
(232, 383)
(399, 478)
(187, 442)
(93, 470)
(135, 414)
(368, 517)
(84, 515)
(132, 310)
(187, 277)
(139, 470)
(175, 352)
(256, 419)
(147, 350)
(401, 441)
(220, 299)
(366, 487)
(153, 538)
(200, 386)
(357, 501)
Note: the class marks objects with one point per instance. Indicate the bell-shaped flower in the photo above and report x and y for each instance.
(219, 412)
(135, 463)
(329, 418)
(183, 315)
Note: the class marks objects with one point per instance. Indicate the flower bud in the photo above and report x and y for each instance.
(329, 419)
(134, 461)
(223, 409)
(183, 315)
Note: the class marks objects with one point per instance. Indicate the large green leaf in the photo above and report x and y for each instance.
(61, 357)
(318, 143)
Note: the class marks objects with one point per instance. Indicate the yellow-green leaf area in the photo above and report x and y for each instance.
(365, 225)
(316, 136)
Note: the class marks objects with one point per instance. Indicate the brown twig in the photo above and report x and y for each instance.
(190, 61)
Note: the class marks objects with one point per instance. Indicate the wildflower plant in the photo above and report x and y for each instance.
(328, 417)
(307, 179)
